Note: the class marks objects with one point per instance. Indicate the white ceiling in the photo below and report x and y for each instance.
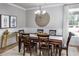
(29, 5)
(33, 5)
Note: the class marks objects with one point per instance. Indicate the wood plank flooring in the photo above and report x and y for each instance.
(12, 50)
(7, 48)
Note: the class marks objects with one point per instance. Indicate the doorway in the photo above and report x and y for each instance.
(73, 23)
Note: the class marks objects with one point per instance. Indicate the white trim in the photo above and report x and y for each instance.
(45, 6)
(34, 7)
(16, 6)
(53, 5)
(74, 9)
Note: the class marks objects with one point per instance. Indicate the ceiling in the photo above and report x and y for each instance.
(33, 5)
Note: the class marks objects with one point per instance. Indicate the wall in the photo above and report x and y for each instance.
(56, 16)
(26, 20)
(10, 10)
(58, 19)
(65, 24)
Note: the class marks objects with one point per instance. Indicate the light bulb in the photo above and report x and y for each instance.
(38, 12)
(43, 12)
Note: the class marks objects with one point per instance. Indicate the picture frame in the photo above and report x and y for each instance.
(12, 21)
(4, 21)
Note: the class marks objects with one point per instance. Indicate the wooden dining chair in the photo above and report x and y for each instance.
(40, 30)
(52, 32)
(20, 39)
(21, 31)
(27, 43)
(43, 43)
(67, 44)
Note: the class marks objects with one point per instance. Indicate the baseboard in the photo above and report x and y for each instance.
(74, 45)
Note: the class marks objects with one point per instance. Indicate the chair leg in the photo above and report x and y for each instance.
(36, 48)
(40, 52)
(60, 50)
(51, 51)
(48, 51)
(19, 46)
(24, 52)
(56, 51)
(30, 51)
(67, 52)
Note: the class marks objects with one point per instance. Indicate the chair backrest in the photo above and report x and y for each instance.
(26, 38)
(52, 32)
(20, 34)
(69, 37)
(43, 39)
(21, 31)
(40, 30)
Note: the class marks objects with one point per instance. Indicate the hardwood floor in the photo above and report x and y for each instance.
(2, 50)
(12, 50)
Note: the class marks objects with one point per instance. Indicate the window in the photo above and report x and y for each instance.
(73, 20)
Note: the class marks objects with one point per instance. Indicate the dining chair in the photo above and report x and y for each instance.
(40, 30)
(43, 43)
(67, 44)
(20, 39)
(27, 43)
(21, 31)
(52, 32)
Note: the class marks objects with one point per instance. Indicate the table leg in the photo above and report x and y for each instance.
(60, 49)
(56, 51)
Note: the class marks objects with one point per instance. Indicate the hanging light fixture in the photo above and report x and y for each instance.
(40, 11)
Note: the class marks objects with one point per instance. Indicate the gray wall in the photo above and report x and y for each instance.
(10, 10)
(26, 20)
(56, 16)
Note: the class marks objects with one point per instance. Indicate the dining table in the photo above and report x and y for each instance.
(52, 39)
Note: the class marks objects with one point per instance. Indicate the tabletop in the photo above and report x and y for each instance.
(50, 37)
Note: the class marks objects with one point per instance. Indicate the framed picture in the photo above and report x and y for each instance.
(4, 19)
(12, 21)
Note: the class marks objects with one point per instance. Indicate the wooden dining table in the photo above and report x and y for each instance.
(52, 40)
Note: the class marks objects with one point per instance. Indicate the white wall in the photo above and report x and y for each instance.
(56, 16)
(65, 24)
(10, 10)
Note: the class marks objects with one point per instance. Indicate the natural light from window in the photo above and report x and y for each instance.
(73, 25)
